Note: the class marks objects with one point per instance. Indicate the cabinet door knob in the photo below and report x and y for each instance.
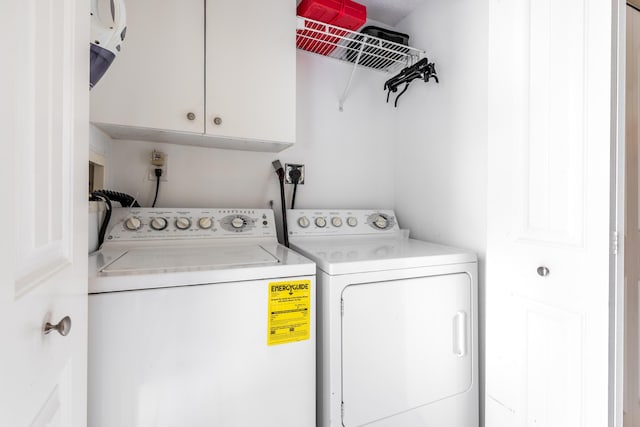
(191, 116)
(543, 271)
(217, 121)
(63, 327)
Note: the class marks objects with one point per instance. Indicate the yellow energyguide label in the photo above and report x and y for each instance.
(289, 311)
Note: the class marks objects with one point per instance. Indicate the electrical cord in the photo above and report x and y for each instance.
(107, 215)
(293, 196)
(158, 172)
(280, 172)
(295, 176)
(125, 200)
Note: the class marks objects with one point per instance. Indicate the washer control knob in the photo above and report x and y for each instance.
(303, 222)
(321, 222)
(381, 222)
(159, 223)
(205, 223)
(336, 221)
(133, 223)
(237, 222)
(352, 221)
(183, 223)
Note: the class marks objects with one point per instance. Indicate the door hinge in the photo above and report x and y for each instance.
(341, 307)
(615, 243)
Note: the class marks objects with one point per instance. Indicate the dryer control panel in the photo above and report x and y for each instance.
(134, 224)
(308, 222)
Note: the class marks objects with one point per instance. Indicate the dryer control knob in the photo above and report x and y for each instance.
(303, 222)
(381, 222)
(159, 223)
(183, 223)
(352, 221)
(133, 223)
(237, 222)
(205, 223)
(321, 222)
(336, 221)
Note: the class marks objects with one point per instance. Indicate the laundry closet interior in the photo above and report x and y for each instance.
(220, 92)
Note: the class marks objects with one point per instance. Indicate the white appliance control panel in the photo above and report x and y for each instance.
(311, 222)
(134, 224)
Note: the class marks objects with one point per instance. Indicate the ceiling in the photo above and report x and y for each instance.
(389, 12)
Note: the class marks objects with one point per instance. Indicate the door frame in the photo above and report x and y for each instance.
(617, 218)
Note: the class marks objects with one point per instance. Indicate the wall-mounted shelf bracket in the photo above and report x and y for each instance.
(350, 46)
(353, 73)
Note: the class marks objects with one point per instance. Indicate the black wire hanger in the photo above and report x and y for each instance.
(423, 70)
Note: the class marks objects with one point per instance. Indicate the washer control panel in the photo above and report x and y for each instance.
(306, 222)
(129, 224)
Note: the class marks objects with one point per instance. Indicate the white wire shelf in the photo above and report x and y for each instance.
(357, 48)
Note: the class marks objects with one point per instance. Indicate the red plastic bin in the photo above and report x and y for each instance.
(341, 13)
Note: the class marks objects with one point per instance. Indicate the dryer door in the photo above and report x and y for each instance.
(405, 343)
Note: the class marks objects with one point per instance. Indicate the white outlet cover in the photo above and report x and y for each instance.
(151, 174)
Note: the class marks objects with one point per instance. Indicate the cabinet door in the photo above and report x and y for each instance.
(251, 69)
(158, 79)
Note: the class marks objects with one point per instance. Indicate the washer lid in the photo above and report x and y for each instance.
(126, 267)
(171, 258)
(361, 254)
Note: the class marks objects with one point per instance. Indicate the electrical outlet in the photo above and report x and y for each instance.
(158, 158)
(288, 167)
(151, 172)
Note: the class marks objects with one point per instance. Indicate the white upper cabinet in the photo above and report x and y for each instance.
(251, 69)
(158, 78)
(203, 73)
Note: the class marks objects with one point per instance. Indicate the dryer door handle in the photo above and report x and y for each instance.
(460, 334)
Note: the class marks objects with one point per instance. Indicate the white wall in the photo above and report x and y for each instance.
(99, 142)
(441, 156)
(441, 149)
(347, 155)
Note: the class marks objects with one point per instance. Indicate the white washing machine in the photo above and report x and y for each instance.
(198, 317)
(397, 322)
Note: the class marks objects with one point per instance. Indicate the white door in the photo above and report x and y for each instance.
(632, 224)
(548, 189)
(43, 128)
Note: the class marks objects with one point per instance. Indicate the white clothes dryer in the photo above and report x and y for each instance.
(397, 322)
(198, 317)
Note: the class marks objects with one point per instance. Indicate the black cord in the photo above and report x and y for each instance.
(295, 174)
(285, 229)
(293, 197)
(125, 200)
(158, 172)
(280, 172)
(107, 216)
